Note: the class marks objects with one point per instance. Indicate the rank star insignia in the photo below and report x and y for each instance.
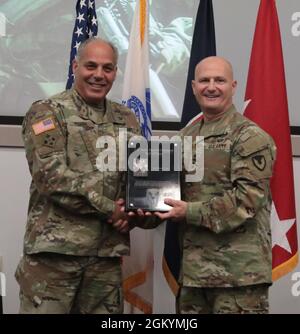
(259, 162)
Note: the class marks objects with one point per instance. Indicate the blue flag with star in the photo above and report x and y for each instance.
(203, 45)
(86, 26)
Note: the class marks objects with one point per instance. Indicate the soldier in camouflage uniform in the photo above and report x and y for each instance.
(76, 233)
(226, 245)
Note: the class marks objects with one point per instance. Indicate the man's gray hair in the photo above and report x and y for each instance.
(96, 39)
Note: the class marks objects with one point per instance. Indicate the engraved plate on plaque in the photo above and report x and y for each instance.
(153, 174)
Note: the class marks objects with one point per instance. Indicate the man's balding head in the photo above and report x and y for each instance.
(214, 86)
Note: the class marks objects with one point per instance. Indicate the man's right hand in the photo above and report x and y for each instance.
(119, 219)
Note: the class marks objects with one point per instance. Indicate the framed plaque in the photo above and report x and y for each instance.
(153, 174)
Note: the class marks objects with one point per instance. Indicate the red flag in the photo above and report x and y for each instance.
(266, 104)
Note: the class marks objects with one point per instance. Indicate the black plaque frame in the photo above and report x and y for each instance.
(147, 188)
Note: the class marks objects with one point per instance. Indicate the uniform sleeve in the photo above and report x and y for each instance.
(251, 169)
(45, 144)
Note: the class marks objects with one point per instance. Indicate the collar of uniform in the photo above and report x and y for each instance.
(104, 113)
(219, 126)
(86, 111)
(113, 114)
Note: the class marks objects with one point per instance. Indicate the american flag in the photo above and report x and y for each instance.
(86, 26)
(43, 126)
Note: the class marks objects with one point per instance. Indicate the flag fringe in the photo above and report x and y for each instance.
(138, 302)
(173, 284)
(131, 297)
(143, 11)
(285, 268)
(134, 280)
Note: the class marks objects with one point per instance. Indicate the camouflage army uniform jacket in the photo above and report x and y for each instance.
(227, 238)
(70, 199)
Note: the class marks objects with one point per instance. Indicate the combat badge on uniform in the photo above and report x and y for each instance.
(43, 126)
(259, 161)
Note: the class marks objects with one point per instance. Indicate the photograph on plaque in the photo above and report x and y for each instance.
(153, 174)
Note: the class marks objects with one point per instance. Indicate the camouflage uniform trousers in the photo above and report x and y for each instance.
(60, 284)
(252, 299)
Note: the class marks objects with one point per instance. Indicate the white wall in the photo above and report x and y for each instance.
(14, 195)
(15, 181)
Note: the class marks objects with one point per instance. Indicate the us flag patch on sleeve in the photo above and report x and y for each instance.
(43, 126)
